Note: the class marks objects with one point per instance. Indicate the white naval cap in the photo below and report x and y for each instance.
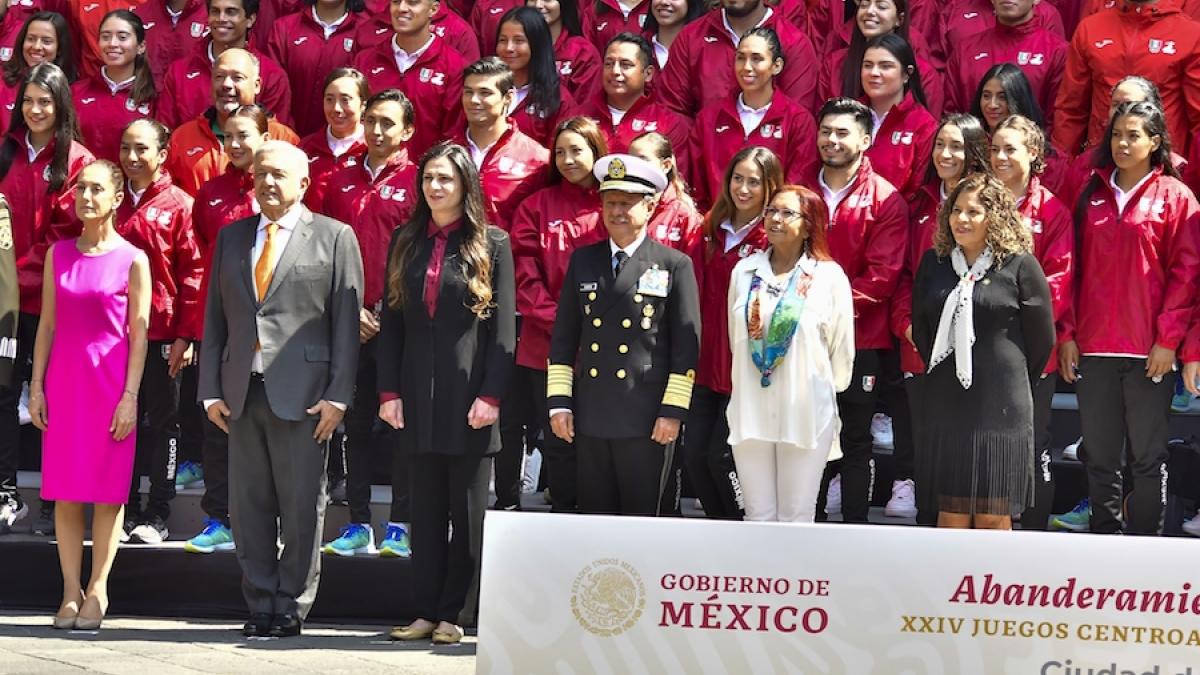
(627, 173)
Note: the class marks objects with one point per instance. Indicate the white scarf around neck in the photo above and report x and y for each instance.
(956, 329)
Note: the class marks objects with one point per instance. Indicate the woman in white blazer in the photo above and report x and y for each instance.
(791, 330)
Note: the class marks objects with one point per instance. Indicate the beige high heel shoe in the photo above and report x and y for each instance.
(86, 622)
(67, 621)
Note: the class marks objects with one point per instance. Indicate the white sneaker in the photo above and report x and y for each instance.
(881, 431)
(1192, 526)
(1071, 452)
(533, 469)
(833, 498)
(903, 503)
(11, 513)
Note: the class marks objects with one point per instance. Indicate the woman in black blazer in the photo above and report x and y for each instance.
(445, 352)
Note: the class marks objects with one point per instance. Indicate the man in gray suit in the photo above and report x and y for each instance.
(277, 369)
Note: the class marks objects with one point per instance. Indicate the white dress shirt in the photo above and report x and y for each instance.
(477, 153)
(404, 60)
(328, 28)
(1122, 196)
(750, 117)
(29, 149)
(114, 87)
(801, 402)
(733, 34)
(339, 146)
(734, 237)
(832, 197)
(661, 52)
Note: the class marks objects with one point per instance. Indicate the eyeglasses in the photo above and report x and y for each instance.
(787, 215)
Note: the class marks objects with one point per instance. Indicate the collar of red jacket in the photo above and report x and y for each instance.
(161, 183)
(397, 162)
(1020, 30)
(1132, 10)
(349, 24)
(498, 145)
(432, 230)
(616, 6)
(902, 108)
(600, 105)
(188, 8)
(714, 25)
(1105, 175)
(584, 193)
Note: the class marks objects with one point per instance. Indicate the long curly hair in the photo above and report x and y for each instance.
(1035, 140)
(1006, 233)
(474, 250)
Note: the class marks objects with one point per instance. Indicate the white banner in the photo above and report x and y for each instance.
(593, 594)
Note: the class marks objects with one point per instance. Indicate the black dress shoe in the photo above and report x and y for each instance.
(286, 625)
(258, 625)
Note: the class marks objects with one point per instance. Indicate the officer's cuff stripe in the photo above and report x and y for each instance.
(560, 380)
(679, 391)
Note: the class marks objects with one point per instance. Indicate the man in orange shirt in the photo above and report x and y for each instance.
(195, 154)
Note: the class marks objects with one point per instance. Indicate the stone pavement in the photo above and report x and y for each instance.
(166, 646)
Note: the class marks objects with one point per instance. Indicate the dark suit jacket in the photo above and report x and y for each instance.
(439, 366)
(622, 356)
(307, 324)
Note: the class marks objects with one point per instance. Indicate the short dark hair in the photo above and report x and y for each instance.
(847, 106)
(250, 7)
(397, 96)
(364, 90)
(645, 51)
(491, 66)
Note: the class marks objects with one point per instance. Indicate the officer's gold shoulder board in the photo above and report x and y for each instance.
(6, 235)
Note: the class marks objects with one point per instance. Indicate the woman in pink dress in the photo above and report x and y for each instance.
(90, 350)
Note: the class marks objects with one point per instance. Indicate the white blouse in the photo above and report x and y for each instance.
(801, 402)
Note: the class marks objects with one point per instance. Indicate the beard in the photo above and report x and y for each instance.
(744, 11)
(840, 163)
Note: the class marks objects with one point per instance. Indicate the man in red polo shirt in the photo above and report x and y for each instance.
(700, 69)
(425, 68)
(185, 90)
(868, 235)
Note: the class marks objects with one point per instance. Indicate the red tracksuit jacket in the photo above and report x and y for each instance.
(374, 208)
(675, 223)
(39, 218)
(830, 83)
(1090, 7)
(645, 115)
(84, 17)
(168, 41)
(1049, 219)
(1158, 42)
(298, 45)
(579, 66)
(1138, 269)
(161, 226)
(512, 170)
(713, 271)
(539, 126)
(962, 19)
(868, 237)
(433, 84)
(700, 70)
(923, 214)
(787, 130)
(1039, 53)
(322, 165)
(605, 19)
(186, 91)
(103, 115)
(485, 21)
(546, 229)
(221, 201)
(902, 146)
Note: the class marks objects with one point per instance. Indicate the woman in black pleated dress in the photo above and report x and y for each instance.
(983, 321)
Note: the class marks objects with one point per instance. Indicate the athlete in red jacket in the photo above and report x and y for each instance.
(14, 19)
(758, 114)
(185, 90)
(485, 21)
(962, 19)
(1152, 39)
(868, 237)
(340, 144)
(431, 76)
(1017, 37)
(700, 70)
(375, 28)
(605, 19)
(195, 152)
(40, 38)
(121, 93)
(578, 60)
(168, 37)
(1139, 265)
(546, 229)
(308, 45)
(732, 230)
(623, 109)
(903, 135)
(511, 165)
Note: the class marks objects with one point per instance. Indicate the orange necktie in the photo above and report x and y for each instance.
(263, 269)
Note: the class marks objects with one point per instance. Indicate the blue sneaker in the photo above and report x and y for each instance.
(214, 537)
(395, 543)
(188, 474)
(355, 539)
(1077, 520)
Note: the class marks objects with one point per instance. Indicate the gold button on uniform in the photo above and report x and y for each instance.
(624, 349)
(593, 372)
(621, 374)
(637, 297)
(624, 324)
(596, 322)
(595, 346)
(592, 296)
